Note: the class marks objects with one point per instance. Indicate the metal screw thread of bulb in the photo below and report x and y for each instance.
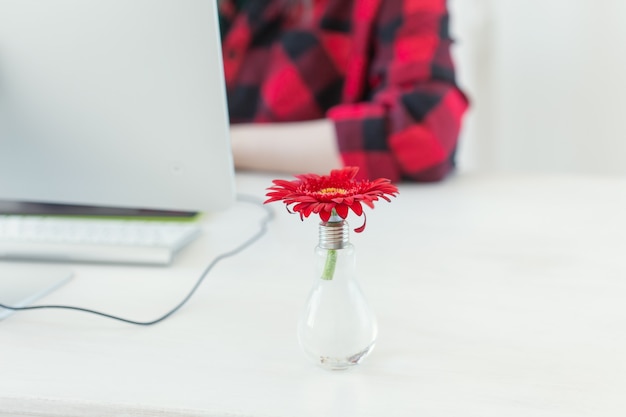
(334, 234)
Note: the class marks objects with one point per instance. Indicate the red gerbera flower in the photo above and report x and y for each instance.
(337, 193)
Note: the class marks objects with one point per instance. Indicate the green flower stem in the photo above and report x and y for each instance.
(329, 266)
(331, 256)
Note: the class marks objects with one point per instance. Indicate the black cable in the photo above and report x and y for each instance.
(262, 230)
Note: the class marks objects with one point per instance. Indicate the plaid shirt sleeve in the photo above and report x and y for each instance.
(380, 69)
(407, 128)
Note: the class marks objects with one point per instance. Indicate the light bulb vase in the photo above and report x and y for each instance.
(337, 328)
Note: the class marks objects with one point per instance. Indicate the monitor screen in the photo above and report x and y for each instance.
(113, 103)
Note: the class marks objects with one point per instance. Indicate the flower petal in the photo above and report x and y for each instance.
(342, 210)
(362, 227)
(325, 215)
(357, 208)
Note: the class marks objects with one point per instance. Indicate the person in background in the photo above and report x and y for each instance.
(314, 85)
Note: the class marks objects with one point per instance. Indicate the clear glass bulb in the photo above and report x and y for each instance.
(337, 328)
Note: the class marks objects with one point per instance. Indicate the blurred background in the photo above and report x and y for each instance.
(547, 83)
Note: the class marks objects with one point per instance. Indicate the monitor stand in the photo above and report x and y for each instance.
(22, 284)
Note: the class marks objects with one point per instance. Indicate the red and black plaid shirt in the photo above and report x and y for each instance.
(380, 69)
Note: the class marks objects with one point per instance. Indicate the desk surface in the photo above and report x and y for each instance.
(495, 296)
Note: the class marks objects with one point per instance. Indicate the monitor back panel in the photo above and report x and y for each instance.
(117, 103)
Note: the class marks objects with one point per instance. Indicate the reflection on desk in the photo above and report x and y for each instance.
(495, 296)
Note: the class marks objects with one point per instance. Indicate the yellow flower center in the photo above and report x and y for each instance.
(332, 190)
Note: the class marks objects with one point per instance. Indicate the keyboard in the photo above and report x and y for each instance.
(93, 240)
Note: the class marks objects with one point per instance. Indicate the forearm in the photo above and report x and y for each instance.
(297, 147)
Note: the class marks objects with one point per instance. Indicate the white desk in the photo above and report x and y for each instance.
(495, 297)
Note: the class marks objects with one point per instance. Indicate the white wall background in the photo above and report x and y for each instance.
(547, 80)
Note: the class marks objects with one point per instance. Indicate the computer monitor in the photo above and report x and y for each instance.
(114, 103)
